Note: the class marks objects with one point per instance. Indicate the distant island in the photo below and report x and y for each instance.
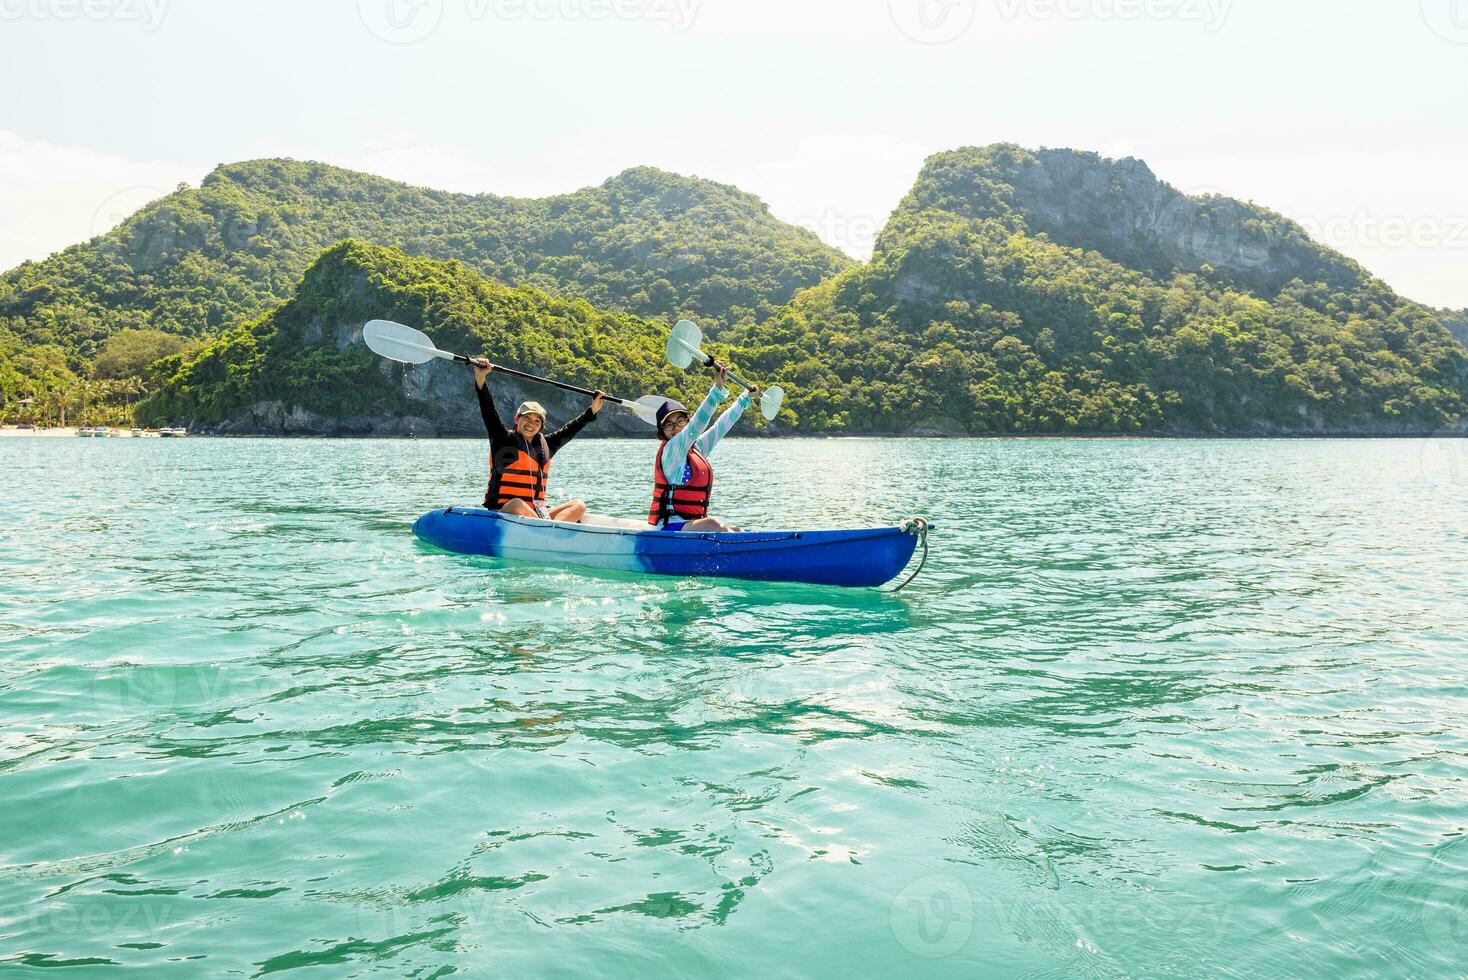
(1011, 292)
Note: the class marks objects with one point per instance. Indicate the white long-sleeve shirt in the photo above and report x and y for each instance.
(675, 453)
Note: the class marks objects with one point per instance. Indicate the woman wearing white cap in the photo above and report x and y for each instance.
(520, 455)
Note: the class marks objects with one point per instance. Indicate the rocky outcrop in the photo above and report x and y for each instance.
(444, 404)
(1120, 209)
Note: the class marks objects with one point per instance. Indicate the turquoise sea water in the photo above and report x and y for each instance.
(1154, 709)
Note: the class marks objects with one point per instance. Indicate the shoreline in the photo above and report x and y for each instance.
(69, 432)
(1456, 433)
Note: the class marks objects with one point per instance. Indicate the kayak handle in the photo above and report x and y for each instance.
(917, 526)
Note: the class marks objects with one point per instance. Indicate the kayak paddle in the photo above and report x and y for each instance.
(683, 346)
(398, 342)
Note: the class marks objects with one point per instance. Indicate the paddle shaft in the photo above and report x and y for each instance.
(708, 359)
(513, 373)
(561, 385)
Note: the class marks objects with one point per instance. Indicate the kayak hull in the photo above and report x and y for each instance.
(857, 558)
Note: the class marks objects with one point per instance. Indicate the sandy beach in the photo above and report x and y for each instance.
(9, 431)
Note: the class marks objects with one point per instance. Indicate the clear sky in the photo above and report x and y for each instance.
(1348, 115)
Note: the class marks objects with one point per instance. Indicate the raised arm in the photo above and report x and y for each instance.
(722, 424)
(675, 454)
(498, 431)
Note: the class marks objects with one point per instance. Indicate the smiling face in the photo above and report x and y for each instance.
(529, 425)
(675, 423)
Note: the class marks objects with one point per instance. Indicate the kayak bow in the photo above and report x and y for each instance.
(863, 557)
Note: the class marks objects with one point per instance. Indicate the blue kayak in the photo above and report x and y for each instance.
(864, 557)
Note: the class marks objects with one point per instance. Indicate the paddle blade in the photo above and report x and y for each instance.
(684, 343)
(646, 408)
(771, 400)
(398, 342)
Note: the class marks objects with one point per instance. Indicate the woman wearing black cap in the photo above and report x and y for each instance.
(683, 478)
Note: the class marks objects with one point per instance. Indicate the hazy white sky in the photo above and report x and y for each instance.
(1345, 114)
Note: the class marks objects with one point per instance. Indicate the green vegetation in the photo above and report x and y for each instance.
(1457, 323)
(296, 354)
(1011, 291)
(200, 261)
(36, 385)
(128, 353)
(969, 320)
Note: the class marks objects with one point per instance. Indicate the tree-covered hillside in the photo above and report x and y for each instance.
(1021, 292)
(1012, 291)
(200, 260)
(1457, 323)
(305, 359)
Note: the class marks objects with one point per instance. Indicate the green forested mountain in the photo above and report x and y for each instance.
(1045, 291)
(302, 367)
(1015, 291)
(1457, 323)
(200, 260)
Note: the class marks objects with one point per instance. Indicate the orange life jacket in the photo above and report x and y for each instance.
(688, 500)
(517, 477)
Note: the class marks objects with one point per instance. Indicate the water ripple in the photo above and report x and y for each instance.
(1154, 708)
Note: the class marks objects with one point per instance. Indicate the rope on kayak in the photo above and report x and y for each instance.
(919, 527)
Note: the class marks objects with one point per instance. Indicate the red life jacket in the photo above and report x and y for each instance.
(517, 477)
(686, 501)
